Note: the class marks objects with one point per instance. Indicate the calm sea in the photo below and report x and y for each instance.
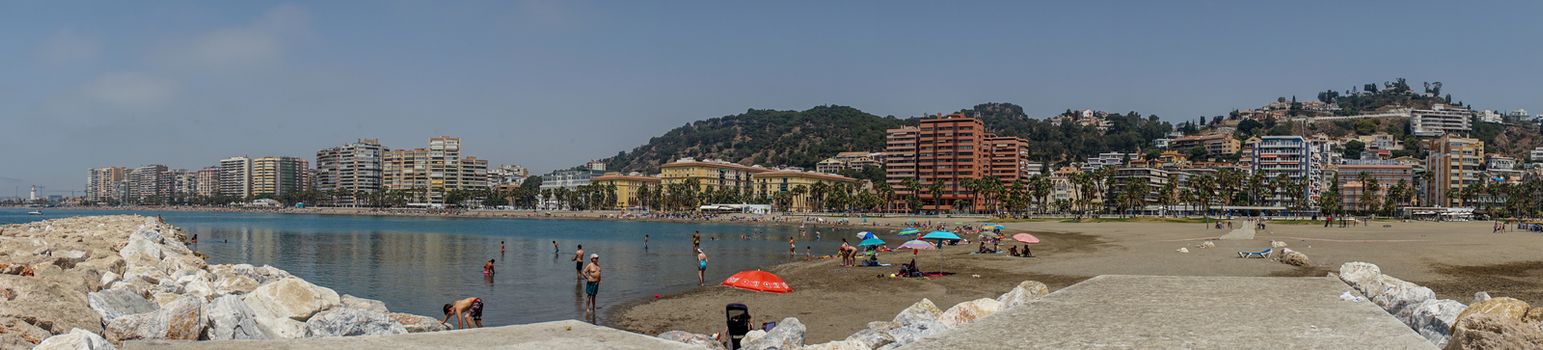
(417, 264)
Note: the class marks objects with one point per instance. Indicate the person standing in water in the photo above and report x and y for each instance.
(645, 241)
(555, 250)
(578, 262)
(701, 268)
(591, 274)
(792, 247)
(696, 240)
(501, 248)
(487, 269)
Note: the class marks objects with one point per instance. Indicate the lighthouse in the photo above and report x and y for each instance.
(34, 196)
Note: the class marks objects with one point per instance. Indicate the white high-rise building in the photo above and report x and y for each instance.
(236, 177)
(349, 171)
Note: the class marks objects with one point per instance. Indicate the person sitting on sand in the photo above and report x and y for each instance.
(463, 309)
(1012, 250)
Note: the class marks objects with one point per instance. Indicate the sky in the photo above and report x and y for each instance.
(551, 84)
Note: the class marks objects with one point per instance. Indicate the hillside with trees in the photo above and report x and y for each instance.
(763, 136)
(1057, 143)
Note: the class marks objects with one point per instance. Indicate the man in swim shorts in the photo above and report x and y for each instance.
(463, 309)
(591, 274)
(578, 262)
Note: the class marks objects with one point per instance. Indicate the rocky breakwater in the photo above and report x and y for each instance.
(1487, 323)
(919, 321)
(95, 282)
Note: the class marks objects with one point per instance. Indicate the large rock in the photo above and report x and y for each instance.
(141, 250)
(182, 319)
(243, 278)
(291, 298)
(116, 302)
(1025, 292)
(350, 301)
(969, 311)
(1295, 258)
(837, 345)
(752, 335)
(1500, 308)
(920, 312)
(691, 338)
(1359, 274)
(789, 335)
(342, 322)
(1491, 331)
(418, 324)
(76, 339)
(907, 334)
(281, 327)
(66, 259)
(1432, 319)
(18, 334)
(229, 318)
(871, 338)
(1396, 294)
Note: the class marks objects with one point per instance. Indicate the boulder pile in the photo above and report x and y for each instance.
(1489, 323)
(919, 321)
(95, 282)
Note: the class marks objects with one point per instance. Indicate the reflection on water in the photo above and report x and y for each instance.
(416, 265)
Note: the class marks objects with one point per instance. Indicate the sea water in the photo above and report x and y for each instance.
(417, 264)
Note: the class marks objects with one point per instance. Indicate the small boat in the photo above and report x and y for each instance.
(35, 212)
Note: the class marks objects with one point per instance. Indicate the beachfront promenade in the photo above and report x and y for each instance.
(1188, 312)
(568, 334)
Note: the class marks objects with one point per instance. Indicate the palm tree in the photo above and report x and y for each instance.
(798, 191)
(913, 200)
(936, 188)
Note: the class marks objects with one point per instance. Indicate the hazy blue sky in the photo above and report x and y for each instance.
(549, 84)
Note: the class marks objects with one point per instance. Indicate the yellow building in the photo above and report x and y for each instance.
(773, 182)
(711, 175)
(626, 187)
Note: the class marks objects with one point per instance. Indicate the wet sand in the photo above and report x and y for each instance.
(1454, 259)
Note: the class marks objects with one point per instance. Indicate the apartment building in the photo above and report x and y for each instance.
(277, 177)
(507, 174)
(350, 171)
(1107, 159)
(207, 182)
(1291, 156)
(427, 175)
(1454, 163)
(627, 187)
(850, 160)
(1154, 179)
(104, 184)
(900, 158)
(1351, 190)
(1213, 144)
(1440, 120)
(1536, 155)
(710, 175)
(150, 184)
(184, 185)
(946, 150)
(236, 177)
(784, 181)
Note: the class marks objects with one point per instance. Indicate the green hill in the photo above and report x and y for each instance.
(762, 136)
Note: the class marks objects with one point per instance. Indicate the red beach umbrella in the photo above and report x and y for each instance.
(758, 281)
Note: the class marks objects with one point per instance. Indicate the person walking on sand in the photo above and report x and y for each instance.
(591, 274)
(701, 268)
(463, 309)
(578, 262)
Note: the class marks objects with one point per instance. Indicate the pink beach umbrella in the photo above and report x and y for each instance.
(1026, 238)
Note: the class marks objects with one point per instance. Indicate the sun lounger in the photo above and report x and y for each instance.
(1261, 254)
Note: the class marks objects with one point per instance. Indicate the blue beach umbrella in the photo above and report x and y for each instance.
(865, 235)
(872, 241)
(941, 235)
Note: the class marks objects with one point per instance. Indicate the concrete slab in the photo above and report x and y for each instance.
(1173, 312)
(569, 334)
(1245, 232)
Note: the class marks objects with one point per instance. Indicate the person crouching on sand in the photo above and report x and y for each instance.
(463, 309)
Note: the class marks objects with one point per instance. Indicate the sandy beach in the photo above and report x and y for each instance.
(1456, 259)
